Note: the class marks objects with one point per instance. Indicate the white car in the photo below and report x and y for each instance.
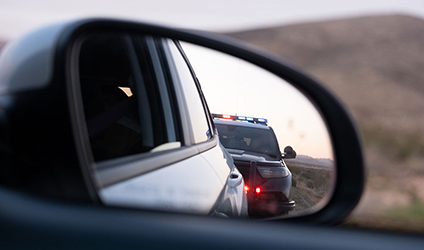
(141, 127)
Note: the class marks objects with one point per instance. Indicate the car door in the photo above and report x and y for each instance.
(151, 140)
(233, 201)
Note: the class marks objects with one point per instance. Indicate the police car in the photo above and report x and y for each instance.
(256, 153)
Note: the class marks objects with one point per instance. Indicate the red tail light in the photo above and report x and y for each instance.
(246, 189)
(258, 190)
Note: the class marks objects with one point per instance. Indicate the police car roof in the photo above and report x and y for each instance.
(241, 124)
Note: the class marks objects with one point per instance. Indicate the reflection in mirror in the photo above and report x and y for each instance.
(152, 143)
(240, 89)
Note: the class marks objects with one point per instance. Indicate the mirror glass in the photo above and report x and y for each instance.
(236, 87)
(174, 126)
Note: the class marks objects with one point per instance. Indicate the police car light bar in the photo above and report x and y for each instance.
(241, 118)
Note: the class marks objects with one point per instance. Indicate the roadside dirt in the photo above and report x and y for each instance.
(310, 184)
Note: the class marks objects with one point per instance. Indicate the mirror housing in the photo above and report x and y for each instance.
(40, 107)
(289, 153)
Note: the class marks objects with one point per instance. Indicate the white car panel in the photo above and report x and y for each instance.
(189, 186)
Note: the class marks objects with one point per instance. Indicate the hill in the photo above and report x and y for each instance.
(364, 60)
(321, 162)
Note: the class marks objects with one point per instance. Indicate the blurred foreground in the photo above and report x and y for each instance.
(375, 65)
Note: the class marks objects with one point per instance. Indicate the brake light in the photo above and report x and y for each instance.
(246, 189)
(258, 190)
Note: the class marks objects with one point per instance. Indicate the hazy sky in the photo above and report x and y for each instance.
(18, 16)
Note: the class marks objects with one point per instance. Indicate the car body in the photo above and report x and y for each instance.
(256, 153)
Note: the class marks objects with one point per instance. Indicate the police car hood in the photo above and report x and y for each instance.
(243, 155)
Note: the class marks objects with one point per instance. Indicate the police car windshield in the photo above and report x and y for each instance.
(249, 139)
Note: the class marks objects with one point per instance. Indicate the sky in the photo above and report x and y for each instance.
(236, 87)
(18, 17)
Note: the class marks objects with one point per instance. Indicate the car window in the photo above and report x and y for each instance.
(196, 110)
(251, 139)
(122, 103)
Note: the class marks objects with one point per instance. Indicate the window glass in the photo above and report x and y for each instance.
(251, 139)
(122, 107)
(197, 113)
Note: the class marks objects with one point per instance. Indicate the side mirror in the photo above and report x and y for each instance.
(118, 117)
(289, 153)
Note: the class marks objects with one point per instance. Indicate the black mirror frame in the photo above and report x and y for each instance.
(347, 146)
